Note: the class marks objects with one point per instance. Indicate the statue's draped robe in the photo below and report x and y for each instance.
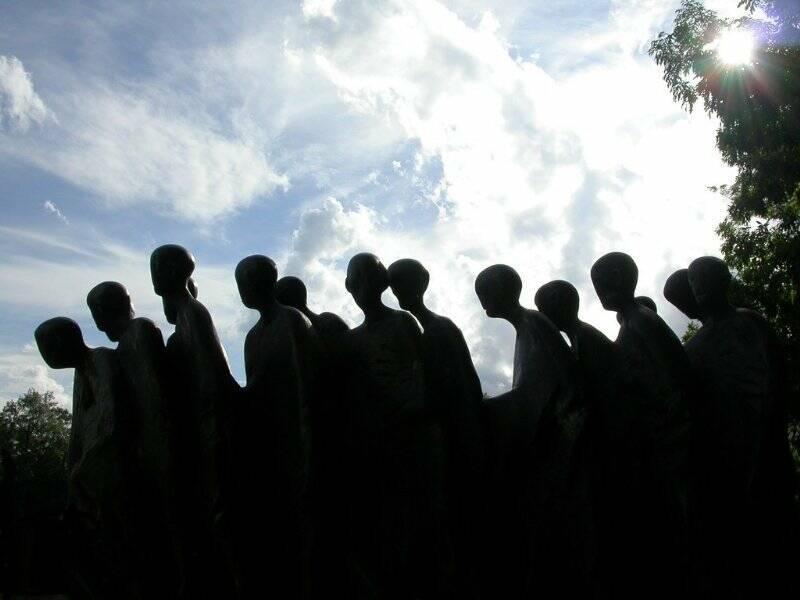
(142, 358)
(744, 471)
(281, 360)
(397, 497)
(203, 394)
(330, 471)
(455, 395)
(650, 444)
(99, 500)
(536, 431)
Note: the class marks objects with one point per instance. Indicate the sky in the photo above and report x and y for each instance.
(461, 133)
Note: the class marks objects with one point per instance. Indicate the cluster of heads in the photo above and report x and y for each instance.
(701, 290)
(698, 291)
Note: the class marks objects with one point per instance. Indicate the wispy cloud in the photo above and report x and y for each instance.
(50, 206)
(128, 150)
(20, 105)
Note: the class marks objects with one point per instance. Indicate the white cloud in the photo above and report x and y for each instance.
(544, 174)
(388, 108)
(128, 150)
(319, 8)
(20, 105)
(22, 368)
(50, 206)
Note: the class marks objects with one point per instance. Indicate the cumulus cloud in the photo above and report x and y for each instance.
(412, 128)
(540, 172)
(20, 105)
(21, 369)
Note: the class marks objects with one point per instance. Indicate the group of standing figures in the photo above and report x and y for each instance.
(366, 463)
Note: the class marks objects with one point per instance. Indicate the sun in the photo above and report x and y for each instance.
(735, 47)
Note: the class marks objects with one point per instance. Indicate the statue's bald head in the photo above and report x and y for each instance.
(256, 277)
(559, 301)
(367, 278)
(614, 276)
(679, 293)
(111, 308)
(60, 343)
(170, 268)
(291, 291)
(408, 280)
(498, 288)
(709, 279)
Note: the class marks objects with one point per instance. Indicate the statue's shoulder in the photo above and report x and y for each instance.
(407, 321)
(589, 331)
(198, 311)
(538, 319)
(294, 318)
(443, 329)
(332, 323)
(443, 323)
(648, 327)
(102, 355)
(142, 327)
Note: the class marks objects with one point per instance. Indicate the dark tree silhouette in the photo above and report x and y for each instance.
(34, 435)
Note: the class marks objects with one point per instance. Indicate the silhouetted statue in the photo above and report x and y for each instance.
(650, 442)
(745, 497)
(330, 474)
(455, 394)
(597, 360)
(536, 429)
(678, 292)
(142, 358)
(281, 354)
(98, 506)
(398, 448)
(203, 392)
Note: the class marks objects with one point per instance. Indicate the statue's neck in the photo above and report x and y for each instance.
(308, 312)
(628, 309)
(181, 297)
(268, 309)
(375, 311)
(422, 313)
(516, 317)
(124, 325)
(572, 332)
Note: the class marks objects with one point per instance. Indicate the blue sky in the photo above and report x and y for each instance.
(460, 133)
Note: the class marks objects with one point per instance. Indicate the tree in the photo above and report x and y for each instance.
(757, 104)
(34, 435)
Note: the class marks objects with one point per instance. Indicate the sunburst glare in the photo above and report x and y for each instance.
(735, 47)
